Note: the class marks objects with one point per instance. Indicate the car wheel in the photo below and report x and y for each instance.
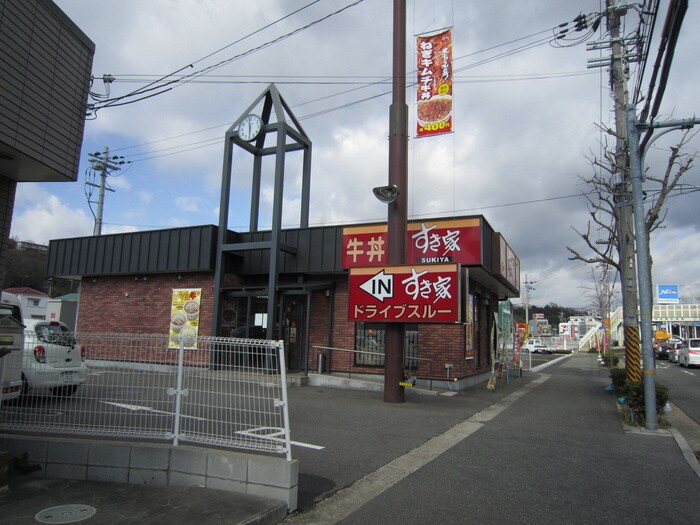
(64, 391)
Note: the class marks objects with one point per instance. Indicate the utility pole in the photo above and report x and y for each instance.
(625, 226)
(103, 165)
(398, 210)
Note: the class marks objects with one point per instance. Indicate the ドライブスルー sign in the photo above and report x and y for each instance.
(411, 294)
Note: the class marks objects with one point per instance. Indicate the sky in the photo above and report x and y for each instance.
(527, 121)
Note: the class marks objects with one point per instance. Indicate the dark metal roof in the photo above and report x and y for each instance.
(309, 251)
(191, 249)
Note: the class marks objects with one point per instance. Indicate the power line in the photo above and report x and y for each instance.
(553, 33)
(182, 80)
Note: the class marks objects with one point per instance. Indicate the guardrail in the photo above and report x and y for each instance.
(225, 392)
(379, 358)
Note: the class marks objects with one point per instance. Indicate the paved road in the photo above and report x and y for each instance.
(549, 448)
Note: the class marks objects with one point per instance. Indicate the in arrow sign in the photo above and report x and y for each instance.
(380, 286)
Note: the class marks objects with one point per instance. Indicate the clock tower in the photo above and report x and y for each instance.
(268, 118)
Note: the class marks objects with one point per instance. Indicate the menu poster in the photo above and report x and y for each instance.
(434, 92)
(184, 318)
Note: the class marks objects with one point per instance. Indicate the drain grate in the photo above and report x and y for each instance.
(65, 514)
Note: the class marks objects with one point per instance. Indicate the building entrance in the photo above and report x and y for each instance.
(293, 330)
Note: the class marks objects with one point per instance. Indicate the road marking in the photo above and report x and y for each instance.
(260, 433)
(348, 500)
(139, 408)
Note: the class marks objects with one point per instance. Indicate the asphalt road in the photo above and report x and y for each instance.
(684, 386)
(546, 448)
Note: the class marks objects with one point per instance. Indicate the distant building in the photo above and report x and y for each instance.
(32, 302)
(32, 247)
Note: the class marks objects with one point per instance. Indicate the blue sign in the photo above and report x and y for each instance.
(668, 294)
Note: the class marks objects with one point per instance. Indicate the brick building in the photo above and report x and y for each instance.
(127, 284)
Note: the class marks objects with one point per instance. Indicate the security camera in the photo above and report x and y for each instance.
(386, 194)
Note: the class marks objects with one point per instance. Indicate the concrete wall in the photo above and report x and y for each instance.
(159, 464)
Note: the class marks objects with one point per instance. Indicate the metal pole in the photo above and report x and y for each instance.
(397, 214)
(284, 402)
(644, 270)
(101, 197)
(178, 393)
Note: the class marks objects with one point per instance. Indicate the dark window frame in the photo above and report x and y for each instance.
(369, 337)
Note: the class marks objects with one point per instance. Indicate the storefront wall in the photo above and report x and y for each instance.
(139, 303)
(142, 304)
(442, 344)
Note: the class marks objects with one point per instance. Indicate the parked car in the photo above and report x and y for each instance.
(663, 350)
(673, 353)
(52, 359)
(689, 352)
(11, 336)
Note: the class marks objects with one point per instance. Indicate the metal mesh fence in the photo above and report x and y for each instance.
(224, 391)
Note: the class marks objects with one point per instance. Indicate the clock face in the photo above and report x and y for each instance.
(250, 127)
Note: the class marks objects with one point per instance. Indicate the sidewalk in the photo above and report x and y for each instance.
(548, 447)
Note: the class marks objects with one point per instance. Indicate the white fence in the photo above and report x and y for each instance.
(225, 392)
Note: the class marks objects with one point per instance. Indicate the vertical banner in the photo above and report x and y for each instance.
(184, 317)
(434, 92)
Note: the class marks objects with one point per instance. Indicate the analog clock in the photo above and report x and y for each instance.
(249, 127)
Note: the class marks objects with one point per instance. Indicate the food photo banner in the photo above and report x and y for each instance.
(184, 317)
(434, 88)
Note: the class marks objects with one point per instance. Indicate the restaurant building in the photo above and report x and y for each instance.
(332, 291)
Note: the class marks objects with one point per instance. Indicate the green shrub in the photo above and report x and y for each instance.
(635, 398)
(611, 360)
(619, 379)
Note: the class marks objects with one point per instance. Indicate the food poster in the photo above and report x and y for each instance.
(184, 318)
(434, 84)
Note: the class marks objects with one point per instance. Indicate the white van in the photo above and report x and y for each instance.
(11, 347)
(535, 346)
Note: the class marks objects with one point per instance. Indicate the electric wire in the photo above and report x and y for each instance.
(552, 33)
(162, 88)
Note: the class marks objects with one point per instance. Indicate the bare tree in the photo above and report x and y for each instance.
(604, 195)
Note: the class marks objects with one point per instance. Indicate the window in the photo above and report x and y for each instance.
(369, 341)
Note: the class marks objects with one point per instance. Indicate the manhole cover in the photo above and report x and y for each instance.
(65, 514)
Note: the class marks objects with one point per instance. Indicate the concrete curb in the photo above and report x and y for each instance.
(688, 453)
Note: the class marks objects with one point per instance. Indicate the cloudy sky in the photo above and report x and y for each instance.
(525, 115)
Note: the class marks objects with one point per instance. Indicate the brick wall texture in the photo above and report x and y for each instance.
(141, 304)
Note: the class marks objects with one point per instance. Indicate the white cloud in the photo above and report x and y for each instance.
(190, 204)
(40, 216)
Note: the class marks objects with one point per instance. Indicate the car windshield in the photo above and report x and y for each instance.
(54, 334)
(694, 343)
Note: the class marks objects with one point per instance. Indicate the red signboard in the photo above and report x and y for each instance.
(427, 242)
(408, 294)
